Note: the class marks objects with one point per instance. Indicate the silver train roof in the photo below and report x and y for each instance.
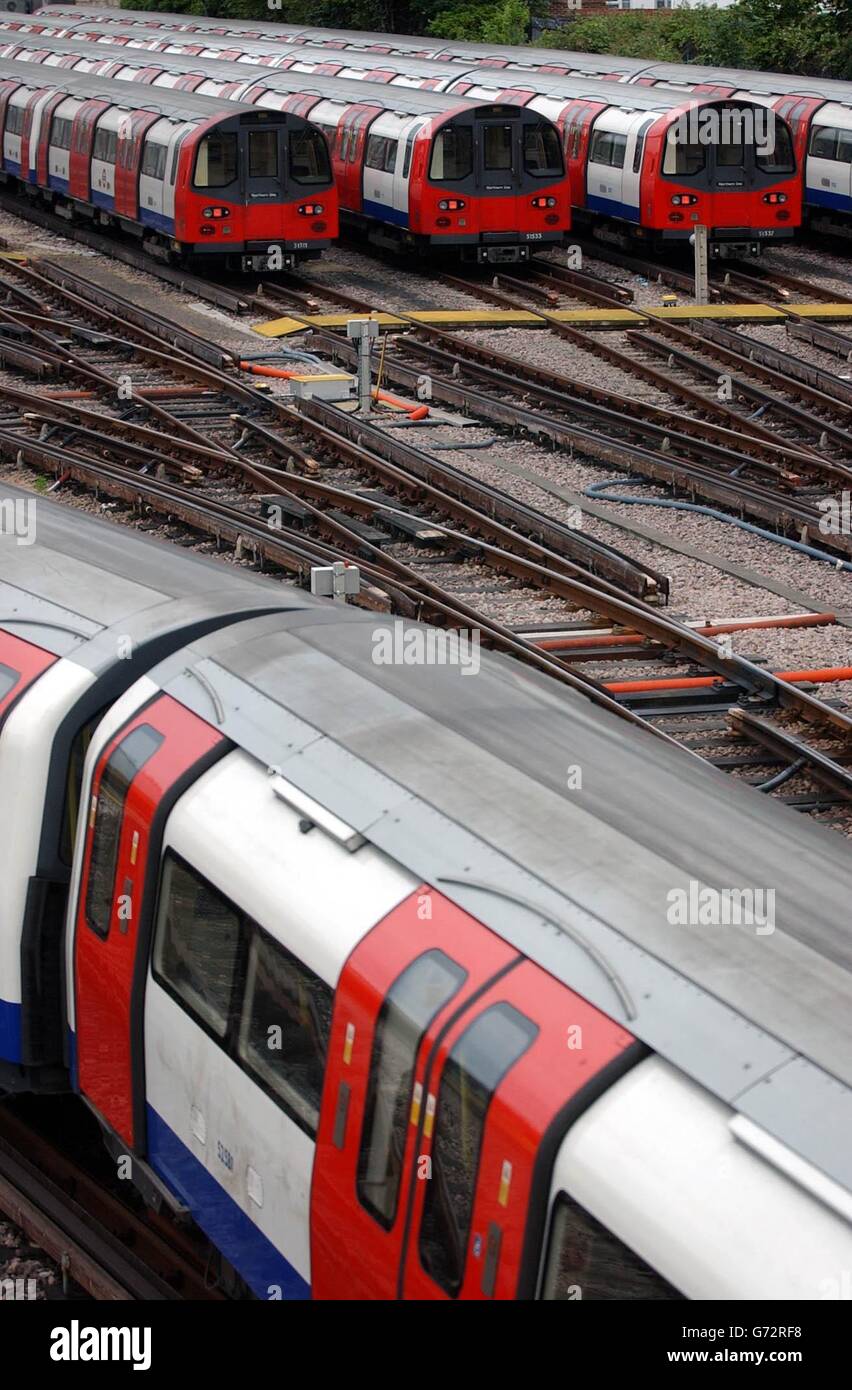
(463, 780)
(85, 582)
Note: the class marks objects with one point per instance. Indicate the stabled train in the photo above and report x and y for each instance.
(192, 177)
(368, 993)
(639, 166)
(818, 110)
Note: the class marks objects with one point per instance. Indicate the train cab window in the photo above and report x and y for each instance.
(216, 160)
(154, 160)
(542, 155)
(683, 157)
(412, 1001)
(585, 1261)
(8, 680)
(263, 154)
(497, 148)
(60, 133)
(478, 1061)
(286, 1020)
(776, 156)
(128, 758)
(197, 945)
(309, 159)
(452, 154)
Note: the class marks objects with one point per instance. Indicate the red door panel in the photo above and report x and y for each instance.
(82, 139)
(21, 663)
(137, 771)
(470, 1210)
(357, 1214)
(128, 159)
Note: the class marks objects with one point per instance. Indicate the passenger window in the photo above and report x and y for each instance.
(619, 145)
(104, 146)
(286, 1020)
(375, 156)
(263, 154)
(391, 148)
(477, 1063)
(14, 120)
(197, 945)
(412, 1001)
(586, 1261)
(60, 133)
(844, 147)
(126, 760)
(601, 148)
(216, 160)
(73, 783)
(824, 142)
(409, 149)
(154, 160)
(8, 680)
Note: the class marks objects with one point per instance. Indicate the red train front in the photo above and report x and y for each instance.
(252, 182)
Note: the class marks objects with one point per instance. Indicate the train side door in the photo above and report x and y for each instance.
(504, 1083)
(138, 776)
(354, 124)
(405, 983)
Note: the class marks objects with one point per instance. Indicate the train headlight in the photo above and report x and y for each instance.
(216, 212)
(311, 210)
(542, 202)
(452, 204)
(775, 197)
(684, 200)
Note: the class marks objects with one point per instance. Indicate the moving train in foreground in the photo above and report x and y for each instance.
(818, 110)
(423, 171)
(370, 988)
(192, 177)
(641, 166)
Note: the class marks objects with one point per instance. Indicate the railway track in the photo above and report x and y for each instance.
(112, 1250)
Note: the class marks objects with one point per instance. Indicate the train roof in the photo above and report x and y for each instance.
(406, 100)
(135, 96)
(462, 779)
(84, 580)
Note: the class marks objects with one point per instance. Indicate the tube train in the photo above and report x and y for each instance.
(368, 986)
(638, 166)
(483, 181)
(819, 110)
(192, 176)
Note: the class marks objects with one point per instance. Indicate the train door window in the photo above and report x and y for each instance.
(154, 160)
(452, 154)
(409, 150)
(412, 1001)
(824, 142)
(683, 157)
(8, 680)
(640, 144)
(197, 946)
(286, 1020)
(586, 1261)
(309, 161)
(73, 783)
(175, 156)
(542, 155)
(263, 154)
(844, 146)
(497, 147)
(216, 160)
(14, 120)
(477, 1062)
(391, 148)
(128, 758)
(776, 157)
(617, 151)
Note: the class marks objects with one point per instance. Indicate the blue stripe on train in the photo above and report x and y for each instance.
(156, 219)
(250, 1252)
(822, 198)
(613, 207)
(10, 1032)
(55, 181)
(103, 200)
(383, 213)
